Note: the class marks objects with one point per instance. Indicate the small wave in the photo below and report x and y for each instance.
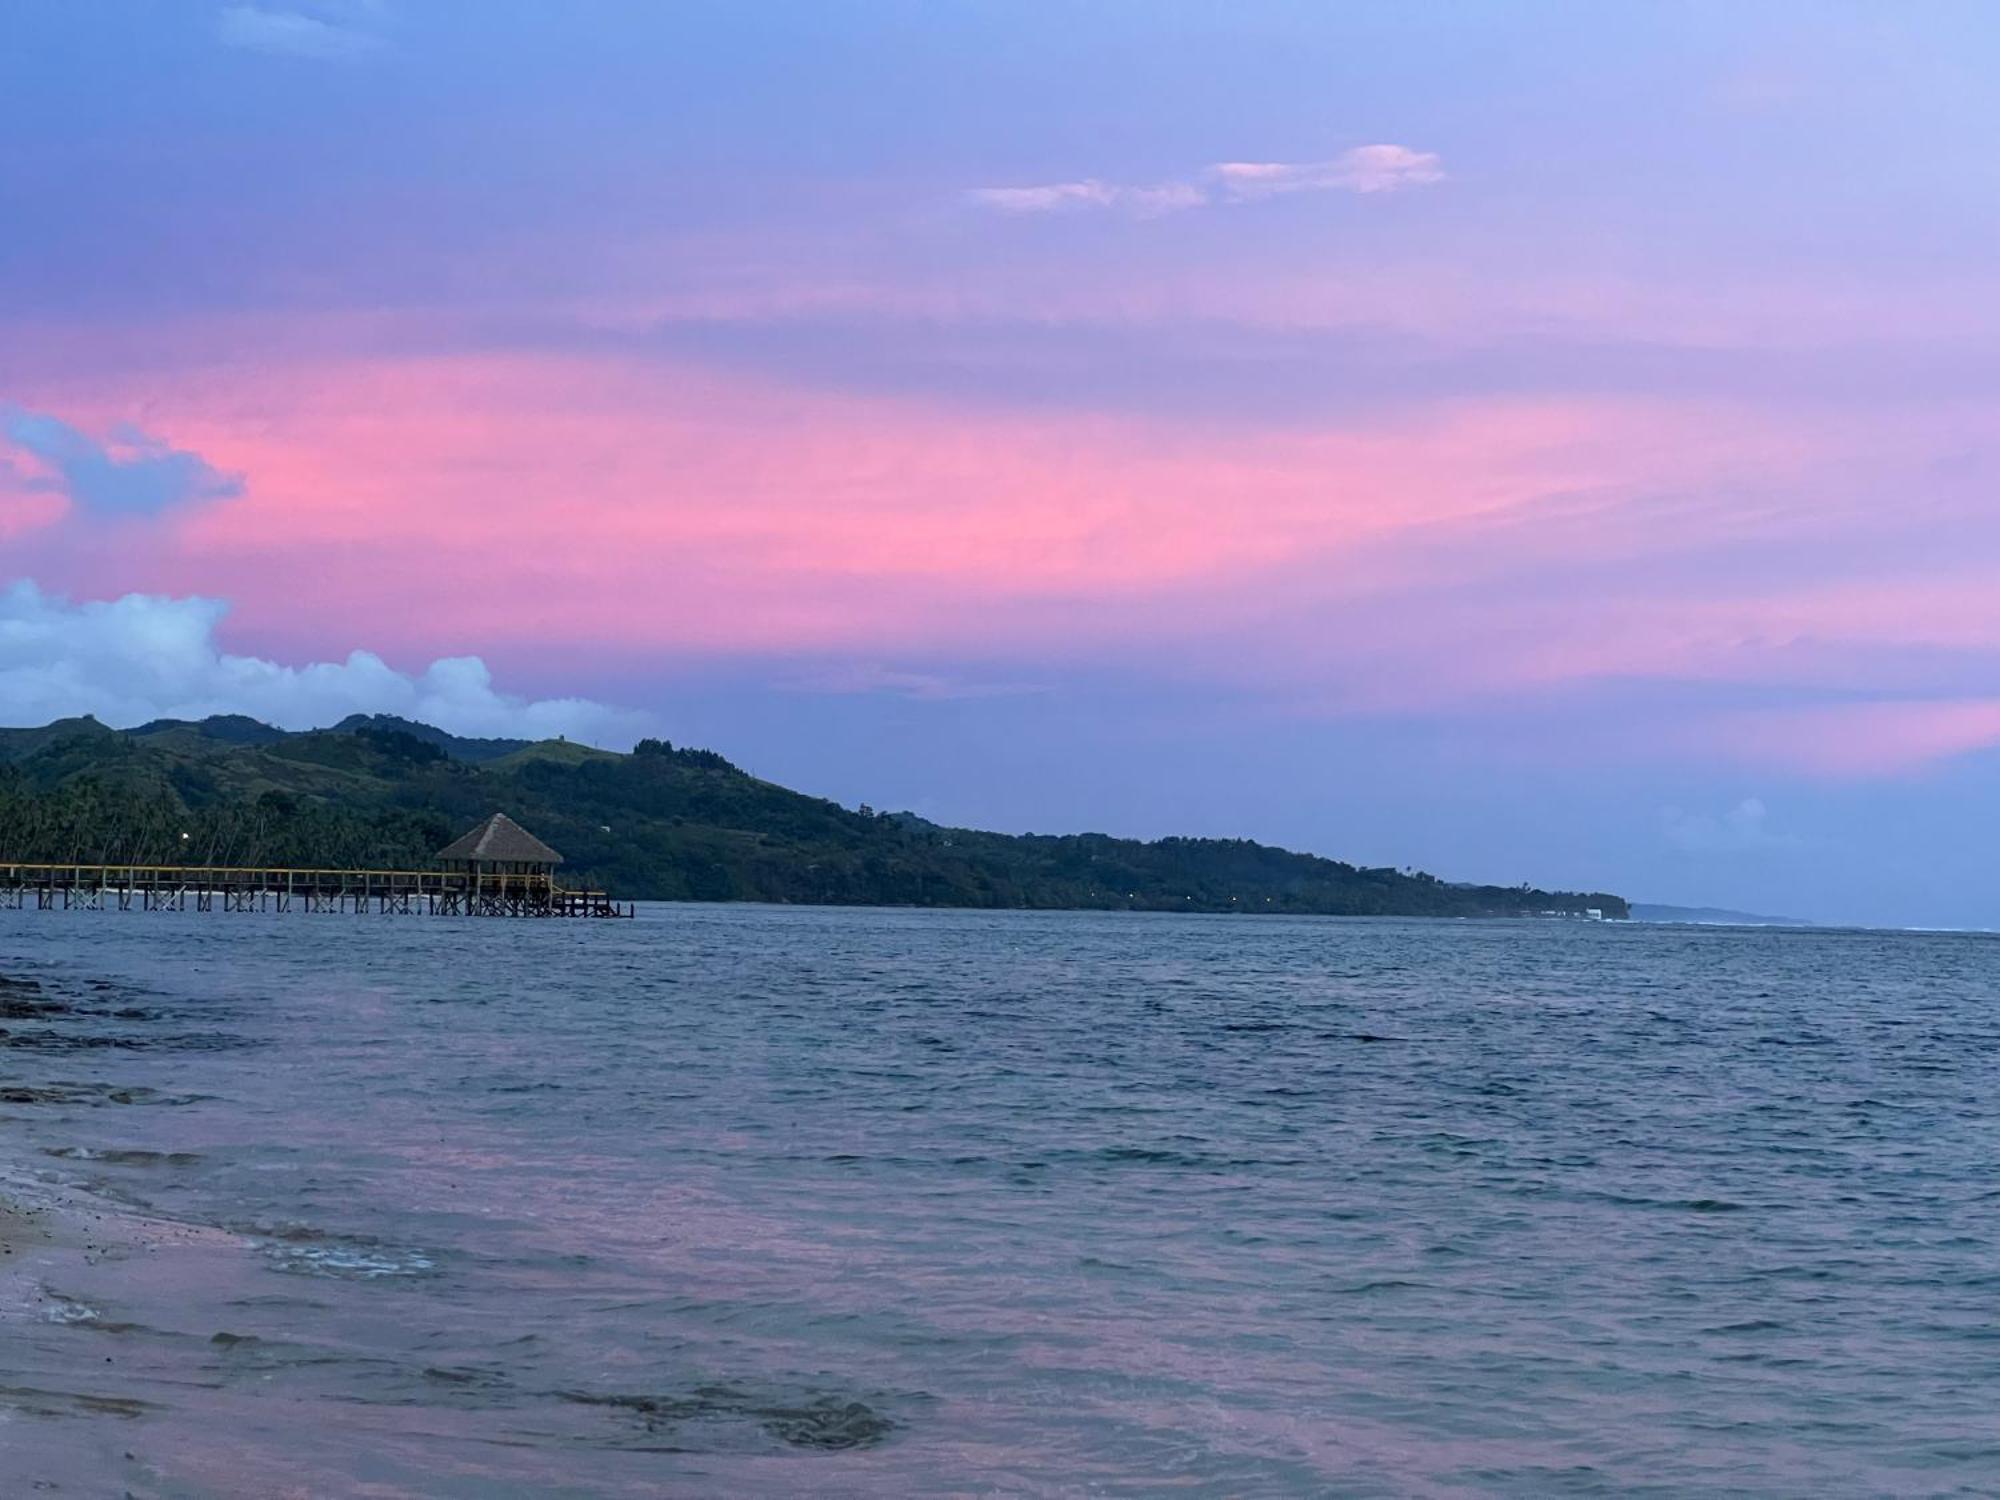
(1751, 1325)
(61, 1309)
(1370, 1288)
(345, 1261)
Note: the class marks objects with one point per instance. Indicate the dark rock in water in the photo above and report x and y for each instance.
(24, 999)
(55, 1041)
(71, 1403)
(827, 1422)
(57, 1095)
(59, 1041)
(17, 1005)
(90, 1093)
(126, 1157)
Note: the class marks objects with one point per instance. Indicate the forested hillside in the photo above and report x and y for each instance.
(660, 823)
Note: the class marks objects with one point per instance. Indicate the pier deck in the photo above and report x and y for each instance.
(442, 893)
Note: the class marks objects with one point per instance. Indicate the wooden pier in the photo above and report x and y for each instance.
(449, 893)
(499, 869)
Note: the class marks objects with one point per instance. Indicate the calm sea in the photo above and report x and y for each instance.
(805, 1202)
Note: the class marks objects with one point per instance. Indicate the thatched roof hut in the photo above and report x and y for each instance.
(500, 846)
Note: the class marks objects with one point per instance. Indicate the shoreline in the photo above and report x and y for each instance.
(80, 1274)
(77, 1273)
(59, 1230)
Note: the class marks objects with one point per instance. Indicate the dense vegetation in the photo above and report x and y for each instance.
(660, 823)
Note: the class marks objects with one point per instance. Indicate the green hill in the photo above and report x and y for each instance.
(661, 823)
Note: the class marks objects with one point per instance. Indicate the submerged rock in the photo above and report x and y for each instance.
(826, 1422)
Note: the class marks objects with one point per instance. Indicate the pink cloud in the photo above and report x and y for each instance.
(1432, 556)
(505, 498)
(25, 506)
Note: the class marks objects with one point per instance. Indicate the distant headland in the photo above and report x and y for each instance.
(660, 823)
(1708, 916)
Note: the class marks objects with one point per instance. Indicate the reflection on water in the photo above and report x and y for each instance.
(777, 1202)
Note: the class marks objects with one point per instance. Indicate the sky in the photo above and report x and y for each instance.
(1546, 442)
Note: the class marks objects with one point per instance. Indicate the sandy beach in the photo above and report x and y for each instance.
(67, 1263)
(21, 1227)
(52, 1246)
(74, 1266)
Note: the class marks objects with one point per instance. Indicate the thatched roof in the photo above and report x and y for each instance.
(500, 840)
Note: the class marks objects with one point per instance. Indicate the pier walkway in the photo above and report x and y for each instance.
(441, 893)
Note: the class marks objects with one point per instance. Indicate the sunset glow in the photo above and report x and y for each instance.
(1643, 437)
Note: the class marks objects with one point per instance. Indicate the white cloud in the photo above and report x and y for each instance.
(292, 33)
(1365, 169)
(1746, 826)
(150, 657)
(1090, 193)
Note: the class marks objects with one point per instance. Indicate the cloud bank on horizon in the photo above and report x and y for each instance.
(132, 660)
(1644, 430)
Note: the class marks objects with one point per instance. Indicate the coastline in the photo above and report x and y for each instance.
(79, 1271)
(73, 1267)
(668, 824)
(64, 1251)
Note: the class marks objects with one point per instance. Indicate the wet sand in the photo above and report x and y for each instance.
(69, 1263)
(48, 1241)
(67, 1259)
(21, 1227)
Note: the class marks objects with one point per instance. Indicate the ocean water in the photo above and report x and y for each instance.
(809, 1202)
